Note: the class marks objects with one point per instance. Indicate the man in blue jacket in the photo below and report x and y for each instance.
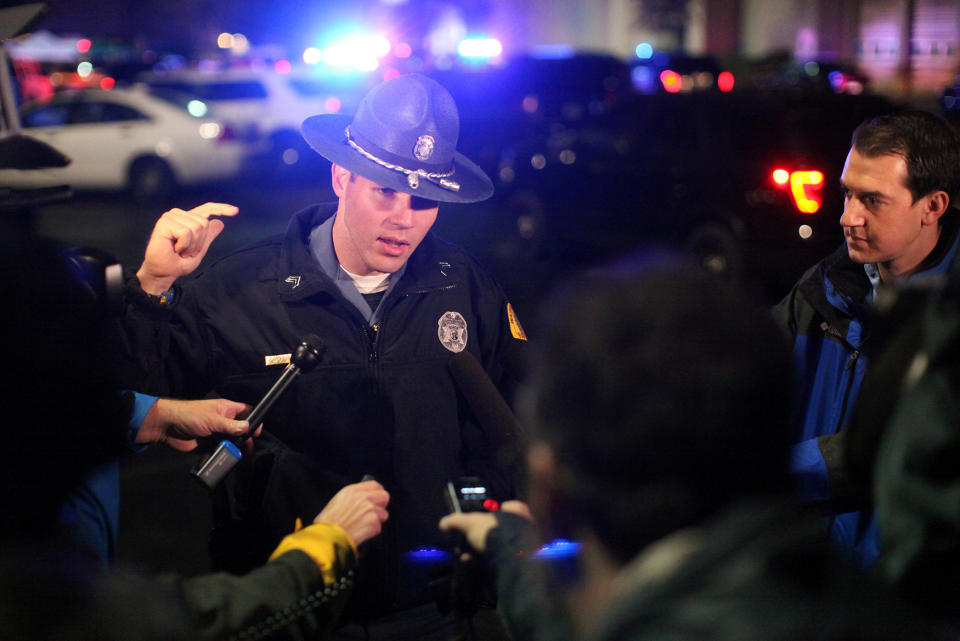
(900, 184)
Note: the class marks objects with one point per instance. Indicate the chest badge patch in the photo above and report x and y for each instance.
(452, 331)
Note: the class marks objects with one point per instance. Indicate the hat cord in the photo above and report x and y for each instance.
(413, 175)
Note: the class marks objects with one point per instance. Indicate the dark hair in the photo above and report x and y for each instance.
(927, 143)
(664, 394)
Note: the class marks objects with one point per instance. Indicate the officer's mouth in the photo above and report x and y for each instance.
(393, 246)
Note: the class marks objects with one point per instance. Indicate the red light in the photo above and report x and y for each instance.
(671, 81)
(107, 83)
(83, 45)
(390, 74)
(332, 105)
(490, 505)
(282, 66)
(725, 81)
(402, 50)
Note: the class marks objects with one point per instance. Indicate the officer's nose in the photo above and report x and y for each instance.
(402, 214)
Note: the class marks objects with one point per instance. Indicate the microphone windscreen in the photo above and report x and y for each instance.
(495, 417)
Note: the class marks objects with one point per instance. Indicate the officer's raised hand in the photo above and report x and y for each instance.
(179, 242)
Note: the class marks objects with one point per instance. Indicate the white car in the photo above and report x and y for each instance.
(147, 142)
(266, 107)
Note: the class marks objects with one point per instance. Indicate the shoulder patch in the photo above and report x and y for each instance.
(516, 330)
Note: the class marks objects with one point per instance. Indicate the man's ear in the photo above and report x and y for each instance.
(339, 177)
(935, 206)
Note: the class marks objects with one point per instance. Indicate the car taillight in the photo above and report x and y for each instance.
(806, 188)
(672, 81)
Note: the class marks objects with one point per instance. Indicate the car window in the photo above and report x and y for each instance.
(309, 87)
(46, 116)
(93, 112)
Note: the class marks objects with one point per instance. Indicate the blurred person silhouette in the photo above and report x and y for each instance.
(68, 418)
(392, 303)
(900, 184)
(658, 409)
(903, 446)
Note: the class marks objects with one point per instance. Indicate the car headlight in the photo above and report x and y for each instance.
(209, 130)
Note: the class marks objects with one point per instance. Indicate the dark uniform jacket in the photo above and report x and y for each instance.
(381, 401)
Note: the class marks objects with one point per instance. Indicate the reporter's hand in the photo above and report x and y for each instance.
(476, 526)
(179, 241)
(179, 423)
(360, 509)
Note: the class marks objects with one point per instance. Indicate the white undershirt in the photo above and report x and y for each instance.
(372, 284)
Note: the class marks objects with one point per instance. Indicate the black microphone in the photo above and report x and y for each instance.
(495, 417)
(227, 454)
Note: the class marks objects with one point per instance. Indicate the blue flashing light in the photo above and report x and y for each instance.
(428, 555)
(644, 51)
(558, 549)
(645, 79)
(479, 48)
(350, 51)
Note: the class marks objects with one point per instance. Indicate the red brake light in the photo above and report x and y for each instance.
(725, 81)
(671, 81)
(491, 505)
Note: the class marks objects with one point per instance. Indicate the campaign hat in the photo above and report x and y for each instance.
(403, 136)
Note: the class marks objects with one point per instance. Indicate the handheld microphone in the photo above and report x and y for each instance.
(495, 417)
(227, 454)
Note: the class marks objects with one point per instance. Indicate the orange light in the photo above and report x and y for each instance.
(107, 83)
(83, 45)
(725, 81)
(671, 81)
(781, 176)
(805, 187)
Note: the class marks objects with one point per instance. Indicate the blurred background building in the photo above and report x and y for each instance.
(903, 46)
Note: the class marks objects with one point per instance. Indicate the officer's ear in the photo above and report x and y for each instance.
(339, 178)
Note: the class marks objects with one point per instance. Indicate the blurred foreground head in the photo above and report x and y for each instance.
(663, 396)
(63, 413)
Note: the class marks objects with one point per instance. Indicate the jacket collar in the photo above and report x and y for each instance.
(299, 276)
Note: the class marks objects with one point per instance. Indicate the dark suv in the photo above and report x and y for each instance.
(746, 181)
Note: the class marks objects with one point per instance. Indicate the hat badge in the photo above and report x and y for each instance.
(424, 147)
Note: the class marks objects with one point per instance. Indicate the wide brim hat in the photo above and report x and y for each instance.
(403, 136)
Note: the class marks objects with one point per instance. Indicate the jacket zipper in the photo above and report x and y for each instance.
(372, 340)
(851, 361)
